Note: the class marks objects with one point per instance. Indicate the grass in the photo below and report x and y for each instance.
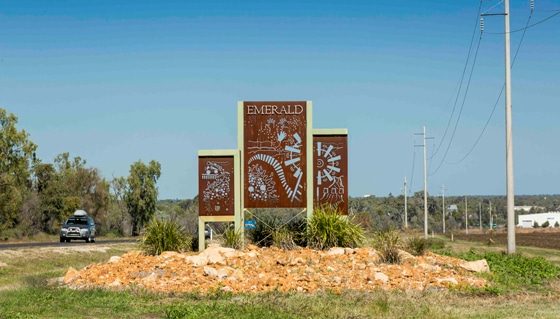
(232, 238)
(388, 244)
(163, 235)
(328, 228)
(24, 293)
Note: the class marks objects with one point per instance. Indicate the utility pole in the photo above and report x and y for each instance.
(491, 220)
(443, 205)
(480, 216)
(466, 217)
(425, 146)
(509, 139)
(405, 204)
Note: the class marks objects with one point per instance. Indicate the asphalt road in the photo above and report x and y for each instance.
(59, 244)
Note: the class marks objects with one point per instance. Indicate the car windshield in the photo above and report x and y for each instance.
(77, 221)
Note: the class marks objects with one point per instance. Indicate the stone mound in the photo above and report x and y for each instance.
(267, 269)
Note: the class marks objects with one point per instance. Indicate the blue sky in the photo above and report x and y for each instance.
(119, 81)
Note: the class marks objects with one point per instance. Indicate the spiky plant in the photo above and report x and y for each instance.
(162, 235)
(328, 228)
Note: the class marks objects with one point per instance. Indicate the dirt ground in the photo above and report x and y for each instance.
(542, 238)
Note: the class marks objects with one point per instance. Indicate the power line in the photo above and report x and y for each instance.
(497, 100)
(530, 26)
(462, 106)
(460, 83)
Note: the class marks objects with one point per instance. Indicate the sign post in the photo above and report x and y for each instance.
(219, 185)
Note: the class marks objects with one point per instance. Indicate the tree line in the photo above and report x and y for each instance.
(37, 196)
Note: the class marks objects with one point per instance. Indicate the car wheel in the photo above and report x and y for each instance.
(93, 239)
(88, 240)
(67, 240)
(62, 239)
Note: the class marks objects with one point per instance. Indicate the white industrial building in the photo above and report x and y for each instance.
(527, 221)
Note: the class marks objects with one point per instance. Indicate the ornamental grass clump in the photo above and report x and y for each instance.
(388, 244)
(283, 238)
(233, 238)
(328, 228)
(417, 246)
(163, 235)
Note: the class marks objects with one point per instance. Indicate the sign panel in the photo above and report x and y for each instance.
(275, 154)
(330, 171)
(216, 192)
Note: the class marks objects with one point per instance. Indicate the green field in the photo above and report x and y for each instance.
(27, 291)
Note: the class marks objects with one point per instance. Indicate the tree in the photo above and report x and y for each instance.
(142, 193)
(17, 156)
(68, 185)
(118, 219)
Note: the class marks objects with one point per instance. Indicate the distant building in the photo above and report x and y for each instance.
(527, 221)
(452, 208)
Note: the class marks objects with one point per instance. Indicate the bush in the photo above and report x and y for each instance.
(545, 224)
(417, 245)
(535, 225)
(264, 229)
(557, 225)
(516, 270)
(161, 235)
(283, 238)
(327, 229)
(233, 238)
(388, 244)
(436, 244)
(268, 225)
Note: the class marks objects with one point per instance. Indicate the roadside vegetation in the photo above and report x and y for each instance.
(162, 235)
(522, 293)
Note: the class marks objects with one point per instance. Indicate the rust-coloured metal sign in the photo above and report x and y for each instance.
(275, 154)
(216, 186)
(330, 171)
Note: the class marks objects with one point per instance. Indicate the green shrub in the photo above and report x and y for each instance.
(298, 228)
(436, 244)
(535, 225)
(264, 228)
(545, 224)
(162, 235)
(267, 225)
(327, 229)
(283, 238)
(557, 225)
(388, 244)
(417, 245)
(233, 238)
(516, 271)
